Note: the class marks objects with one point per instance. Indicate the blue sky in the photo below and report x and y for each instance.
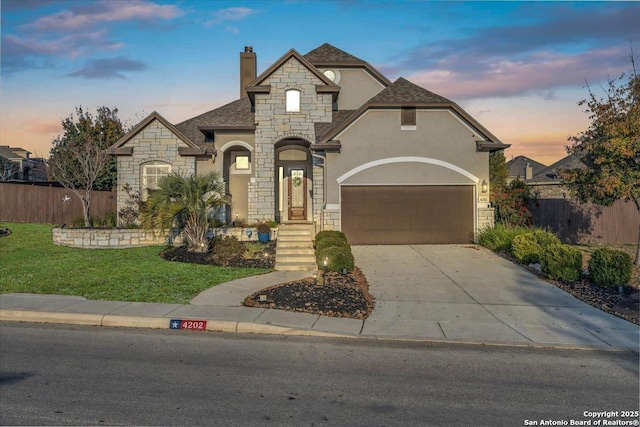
(518, 67)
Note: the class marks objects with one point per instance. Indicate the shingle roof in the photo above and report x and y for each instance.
(552, 173)
(518, 164)
(327, 53)
(402, 91)
(337, 119)
(235, 114)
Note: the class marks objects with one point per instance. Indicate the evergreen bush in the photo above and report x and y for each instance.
(330, 241)
(609, 267)
(338, 258)
(330, 234)
(562, 262)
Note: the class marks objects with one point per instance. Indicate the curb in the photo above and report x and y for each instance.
(228, 326)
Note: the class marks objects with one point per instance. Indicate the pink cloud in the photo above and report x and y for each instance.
(71, 46)
(103, 11)
(46, 127)
(541, 72)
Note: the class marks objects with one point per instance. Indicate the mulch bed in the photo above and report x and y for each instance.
(341, 295)
(180, 254)
(626, 306)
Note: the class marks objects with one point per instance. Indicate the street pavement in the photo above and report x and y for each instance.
(446, 293)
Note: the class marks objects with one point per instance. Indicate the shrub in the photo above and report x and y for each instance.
(330, 241)
(253, 250)
(500, 237)
(609, 267)
(227, 249)
(528, 247)
(330, 233)
(338, 258)
(562, 262)
(263, 227)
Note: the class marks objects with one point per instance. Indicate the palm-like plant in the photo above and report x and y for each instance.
(184, 202)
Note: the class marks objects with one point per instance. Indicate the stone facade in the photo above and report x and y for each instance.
(275, 124)
(486, 218)
(154, 143)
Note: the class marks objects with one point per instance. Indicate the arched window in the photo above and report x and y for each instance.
(293, 101)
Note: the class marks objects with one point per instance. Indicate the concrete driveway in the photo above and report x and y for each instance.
(466, 292)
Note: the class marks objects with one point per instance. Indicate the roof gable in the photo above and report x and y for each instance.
(403, 93)
(518, 164)
(292, 53)
(119, 149)
(327, 55)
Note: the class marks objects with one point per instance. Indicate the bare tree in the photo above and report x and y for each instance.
(78, 159)
(7, 169)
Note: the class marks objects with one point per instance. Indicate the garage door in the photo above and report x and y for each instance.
(396, 215)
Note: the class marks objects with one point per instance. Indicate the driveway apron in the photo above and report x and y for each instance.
(468, 293)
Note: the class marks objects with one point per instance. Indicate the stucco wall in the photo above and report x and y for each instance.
(357, 86)
(439, 138)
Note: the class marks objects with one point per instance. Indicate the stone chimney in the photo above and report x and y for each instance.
(248, 69)
(528, 171)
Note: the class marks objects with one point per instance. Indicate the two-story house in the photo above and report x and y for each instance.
(326, 138)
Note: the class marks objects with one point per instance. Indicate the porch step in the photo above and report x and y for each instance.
(294, 247)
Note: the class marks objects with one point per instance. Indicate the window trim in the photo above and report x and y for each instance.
(292, 105)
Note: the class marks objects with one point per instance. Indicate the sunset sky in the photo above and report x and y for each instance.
(518, 67)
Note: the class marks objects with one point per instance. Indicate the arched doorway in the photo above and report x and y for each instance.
(293, 166)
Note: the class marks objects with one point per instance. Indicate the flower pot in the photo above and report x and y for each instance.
(264, 237)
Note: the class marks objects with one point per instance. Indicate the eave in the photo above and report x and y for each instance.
(334, 146)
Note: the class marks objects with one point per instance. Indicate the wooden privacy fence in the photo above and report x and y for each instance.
(49, 205)
(574, 222)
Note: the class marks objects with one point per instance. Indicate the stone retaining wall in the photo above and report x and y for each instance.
(110, 238)
(115, 238)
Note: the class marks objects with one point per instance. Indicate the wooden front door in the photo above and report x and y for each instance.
(297, 199)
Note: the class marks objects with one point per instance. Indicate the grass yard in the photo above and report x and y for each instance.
(31, 263)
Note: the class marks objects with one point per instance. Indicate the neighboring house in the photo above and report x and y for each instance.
(17, 165)
(523, 168)
(325, 138)
(546, 183)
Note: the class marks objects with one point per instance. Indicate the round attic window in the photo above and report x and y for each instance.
(331, 75)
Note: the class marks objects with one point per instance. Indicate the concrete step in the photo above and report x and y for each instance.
(296, 250)
(295, 258)
(295, 244)
(295, 238)
(287, 232)
(296, 266)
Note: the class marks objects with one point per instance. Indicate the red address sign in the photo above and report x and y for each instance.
(192, 325)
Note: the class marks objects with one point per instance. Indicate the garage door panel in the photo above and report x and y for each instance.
(407, 214)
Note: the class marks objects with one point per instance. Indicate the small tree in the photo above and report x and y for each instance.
(78, 159)
(610, 147)
(184, 202)
(509, 200)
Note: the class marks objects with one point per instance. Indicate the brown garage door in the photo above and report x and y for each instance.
(396, 215)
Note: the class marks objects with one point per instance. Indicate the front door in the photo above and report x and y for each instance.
(297, 194)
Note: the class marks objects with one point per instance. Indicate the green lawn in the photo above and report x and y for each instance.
(31, 263)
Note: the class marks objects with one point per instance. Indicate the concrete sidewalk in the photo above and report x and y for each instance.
(447, 293)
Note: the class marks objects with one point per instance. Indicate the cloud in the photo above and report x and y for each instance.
(563, 46)
(43, 127)
(538, 74)
(80, 30)
(108, 68)
(233, 14)
(87, 16)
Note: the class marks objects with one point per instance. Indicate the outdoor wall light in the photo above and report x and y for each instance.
(485, 186)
